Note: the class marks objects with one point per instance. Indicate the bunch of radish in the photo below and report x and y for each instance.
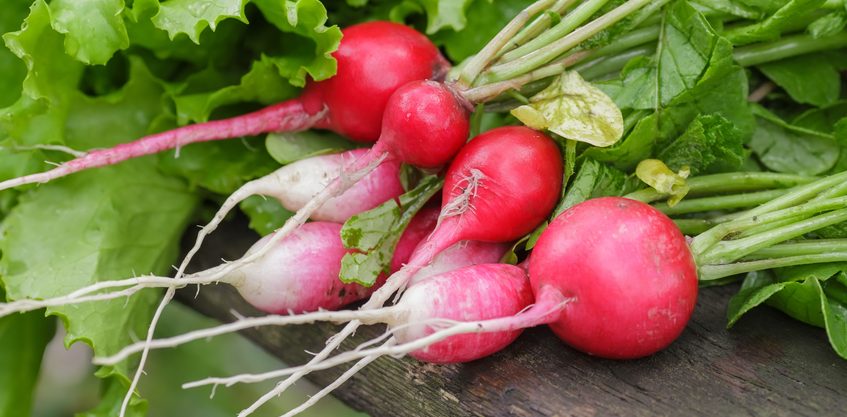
(498, 187)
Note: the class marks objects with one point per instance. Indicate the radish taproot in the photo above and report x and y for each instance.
(373, 60)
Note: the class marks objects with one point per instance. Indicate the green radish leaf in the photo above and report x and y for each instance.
(574, 109)
(636, 146)
(823, 120)
(288, 147)
(192, 17)
(775, 24)
(594, 179)
(266, 214)
(756, 289)
(785, 148)
(108, 223)
(810, 78)
(94, 29)
(376, 232)
(738, 8)
(710, 144)
(23, 338)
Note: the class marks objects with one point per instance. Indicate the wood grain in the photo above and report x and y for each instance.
(768, 364)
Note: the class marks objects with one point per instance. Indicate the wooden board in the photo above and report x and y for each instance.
(768, 364)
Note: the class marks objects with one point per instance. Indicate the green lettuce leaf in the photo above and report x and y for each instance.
(94, 29)
(192, 17)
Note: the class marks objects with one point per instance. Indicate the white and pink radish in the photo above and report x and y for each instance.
(471, 293)
(295, 184)
(374, 59)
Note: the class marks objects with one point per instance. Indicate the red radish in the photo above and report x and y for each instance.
(471, 293)
(466, 252)
(374, 59)
(628, 271)
(419, 228)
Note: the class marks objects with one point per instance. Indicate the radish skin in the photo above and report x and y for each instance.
(627, 268)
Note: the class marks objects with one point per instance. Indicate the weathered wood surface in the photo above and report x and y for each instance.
(767, 365)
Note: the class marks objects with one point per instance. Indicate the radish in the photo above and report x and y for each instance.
(374, 59)
(628, 272)
(470, 293)
(499, 187)
(295, 184)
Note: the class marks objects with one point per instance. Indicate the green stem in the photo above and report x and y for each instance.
(786, 47)
(597, 68)
(729, 251)
(488, 53)
(806, 247)
(798, 195)
(707, 240)
(539, 57)
(724, 202)
(713, 272)
(761, 228)
(539, 25)
(568, 23)
(691, 227)
(729, 182)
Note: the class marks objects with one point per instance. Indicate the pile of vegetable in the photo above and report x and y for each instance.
(489, 166)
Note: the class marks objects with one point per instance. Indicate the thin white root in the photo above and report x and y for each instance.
(378, 298)
(238, 196)
(278, 373)
(337, 383)
(369, 316)
(58, 148)
(470, 185)
(82, 295)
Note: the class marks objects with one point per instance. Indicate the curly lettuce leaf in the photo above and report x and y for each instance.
(94, 29)
(192, 17)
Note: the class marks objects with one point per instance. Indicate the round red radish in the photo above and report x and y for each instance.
(503, 184)
(628, 272)
(374, 60)
(425, 123)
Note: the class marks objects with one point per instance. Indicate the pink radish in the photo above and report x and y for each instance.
(479, 292)
(374, 59)
(471, 293)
